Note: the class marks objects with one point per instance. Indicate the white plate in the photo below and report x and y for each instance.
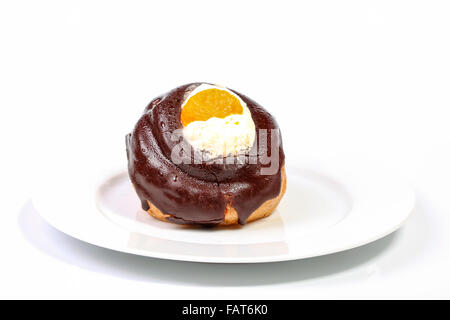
(327, 208)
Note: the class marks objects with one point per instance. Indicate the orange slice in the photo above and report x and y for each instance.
(210, 103)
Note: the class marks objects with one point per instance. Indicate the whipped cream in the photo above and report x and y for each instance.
(221, 137)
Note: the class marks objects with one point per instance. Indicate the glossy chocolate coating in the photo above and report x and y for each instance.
(195, 193)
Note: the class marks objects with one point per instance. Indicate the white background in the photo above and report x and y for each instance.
(355, 78)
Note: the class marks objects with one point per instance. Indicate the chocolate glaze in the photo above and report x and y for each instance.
(195, 193)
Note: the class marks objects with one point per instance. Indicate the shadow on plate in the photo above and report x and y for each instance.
(63, 247)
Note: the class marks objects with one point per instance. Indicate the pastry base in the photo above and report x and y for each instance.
(231, 215)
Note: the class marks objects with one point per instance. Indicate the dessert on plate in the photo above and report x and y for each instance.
(208, 155)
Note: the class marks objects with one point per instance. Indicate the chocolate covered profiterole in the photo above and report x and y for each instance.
(205, 154)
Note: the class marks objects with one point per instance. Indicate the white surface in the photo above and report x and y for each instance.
(326, 209)
(366, 78)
